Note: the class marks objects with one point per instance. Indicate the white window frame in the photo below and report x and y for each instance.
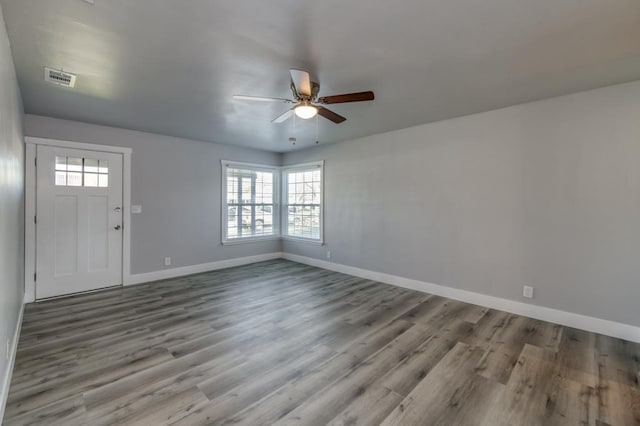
(285, 198)
(225, 210)
(279, 194)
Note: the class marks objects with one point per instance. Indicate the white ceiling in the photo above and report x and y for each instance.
(171, 67)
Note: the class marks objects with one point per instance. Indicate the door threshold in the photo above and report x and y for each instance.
(80, 293)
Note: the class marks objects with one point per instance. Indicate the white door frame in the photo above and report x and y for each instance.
(30, 207)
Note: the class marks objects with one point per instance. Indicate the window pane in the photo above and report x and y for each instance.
(61, 163)
(246, 218)
(91, 179)
(264, 220)
(90, 165)
(103, 166)
(246, 190)
(291, 189)
(61, 178)
(317, 195)
(232, 221)
(267, 192)
(74, 164)
(103, 181)
(74, 179)
(232, 190)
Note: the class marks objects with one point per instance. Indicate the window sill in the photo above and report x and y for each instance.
(271, 238)
(249, 240)
(303, 240)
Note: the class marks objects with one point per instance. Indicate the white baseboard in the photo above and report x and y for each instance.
(596, 325)
(7, 377)
(196, 269)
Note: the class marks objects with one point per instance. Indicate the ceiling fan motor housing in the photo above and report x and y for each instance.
(315, 89)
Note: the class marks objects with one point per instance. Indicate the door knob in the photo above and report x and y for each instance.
(117, 227)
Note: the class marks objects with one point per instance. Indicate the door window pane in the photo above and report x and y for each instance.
(87, 172)
(61, 178)
(103, 180)
(74, 164)
(61, 163)
(91, 179)
(90, 165)
(74, 179)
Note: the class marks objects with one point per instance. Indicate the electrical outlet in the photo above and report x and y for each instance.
(167, 261)
(527, 292)
(136, 209)
(328, 254)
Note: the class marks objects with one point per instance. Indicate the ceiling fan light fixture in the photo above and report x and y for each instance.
(305, 111)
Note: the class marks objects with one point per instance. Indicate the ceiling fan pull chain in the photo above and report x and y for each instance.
(317, 130)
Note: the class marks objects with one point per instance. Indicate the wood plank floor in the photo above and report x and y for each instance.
(284, 343)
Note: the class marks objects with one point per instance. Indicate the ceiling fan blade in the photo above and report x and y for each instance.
(347, 97)
(330, 115)
(283, 117)
(301, 81)
(261, 99)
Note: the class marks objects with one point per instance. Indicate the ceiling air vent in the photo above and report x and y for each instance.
(59, 77)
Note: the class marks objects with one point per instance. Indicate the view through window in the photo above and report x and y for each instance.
(303, 198)
(250, 202)
(252, 205)
(87, 172)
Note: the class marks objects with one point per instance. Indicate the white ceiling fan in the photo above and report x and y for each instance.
(306, 103)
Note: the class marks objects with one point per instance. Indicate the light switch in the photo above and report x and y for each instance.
(136, 209)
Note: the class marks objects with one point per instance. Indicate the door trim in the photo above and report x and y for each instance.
(30, 206)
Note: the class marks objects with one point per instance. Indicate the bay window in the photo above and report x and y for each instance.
(254, 207)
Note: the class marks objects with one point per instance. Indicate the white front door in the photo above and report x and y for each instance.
(78, 221)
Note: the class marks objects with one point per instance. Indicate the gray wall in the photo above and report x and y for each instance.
(11, 202)
(545, 194)
(177, 182)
